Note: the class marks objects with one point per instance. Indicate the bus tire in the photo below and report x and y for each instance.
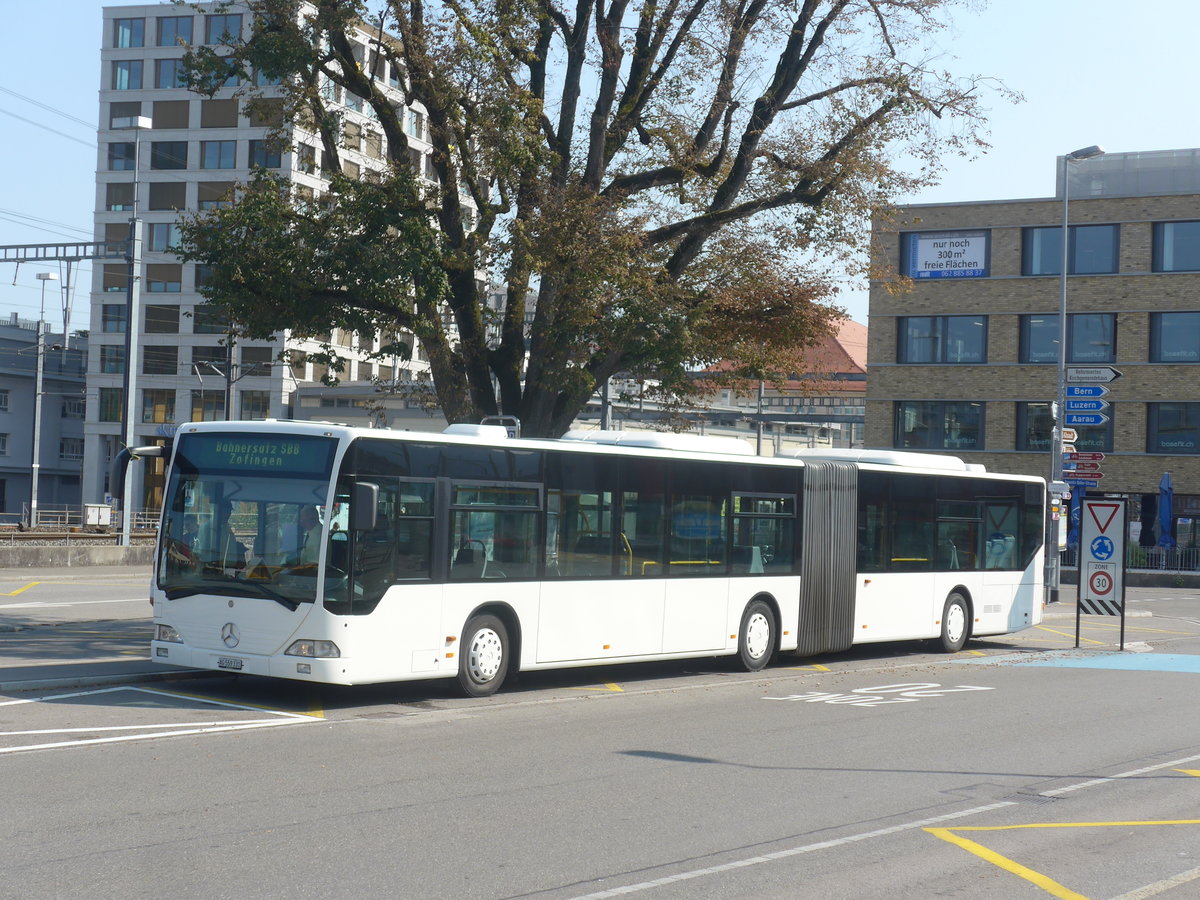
(956, 623)
(756, 637)
(483, 658)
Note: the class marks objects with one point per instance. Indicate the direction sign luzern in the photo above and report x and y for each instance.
(1086, 405)
(1092, 374)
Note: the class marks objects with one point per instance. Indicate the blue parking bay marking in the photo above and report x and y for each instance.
(1132, 662)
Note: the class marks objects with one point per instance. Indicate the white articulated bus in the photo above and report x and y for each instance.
(346, 555)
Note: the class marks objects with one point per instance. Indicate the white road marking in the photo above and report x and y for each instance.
(881, 832)
(1161, 887)
(43, 604)
(279, 717)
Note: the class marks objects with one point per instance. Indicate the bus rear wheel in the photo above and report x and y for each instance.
(956, 623)
(483, 658)
(756, 637)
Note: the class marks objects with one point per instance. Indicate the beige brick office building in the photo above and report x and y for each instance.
(964, 360)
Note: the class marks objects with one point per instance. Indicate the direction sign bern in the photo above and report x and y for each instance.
(1085, 390)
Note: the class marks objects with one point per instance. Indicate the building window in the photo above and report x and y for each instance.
(160, 360)
(1091, 338)
(214, 194)
(74, 408)
(168, 73)
(1173, 427)
(222, 28)
(1093, 250)
(70, 448)
(208, 406)
(127, 75)
(122, 156)
(945, 254)
(168, 155)
(174, 30)
(129, 33)
(210, 360)
(218, 113)
(306, 159)
(112, 359)
(110, 404)
(218, 154)
(1175, 337)
(257, 360)
(112, 318)
(265, 154)
(162, 236)
(170, 195)
(164, 278)
(162, 319)
(939, 424)
(1176, 246)
(3, 445)
(118, 196)
(1035, 430)
(158, 406)
(255, 404)
(3, 399)
(942, 339)
(171, 114)
(208, 319)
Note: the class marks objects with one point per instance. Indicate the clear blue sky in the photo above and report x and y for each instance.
(1092, 71)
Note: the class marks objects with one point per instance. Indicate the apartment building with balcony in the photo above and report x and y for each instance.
(963, 358)
(165, 151)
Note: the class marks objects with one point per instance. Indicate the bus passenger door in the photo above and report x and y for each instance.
(602, 597)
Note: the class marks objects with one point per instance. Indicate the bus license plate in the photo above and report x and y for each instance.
(228, 662)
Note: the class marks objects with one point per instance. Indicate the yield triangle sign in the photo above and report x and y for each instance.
(1103, 513)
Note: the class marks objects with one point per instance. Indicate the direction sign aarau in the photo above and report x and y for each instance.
(1092, 374)
(1085, 418)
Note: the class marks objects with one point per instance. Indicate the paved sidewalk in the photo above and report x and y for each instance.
(38, 652)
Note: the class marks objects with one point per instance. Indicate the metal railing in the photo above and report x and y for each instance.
(62, 516)
(1176, 559)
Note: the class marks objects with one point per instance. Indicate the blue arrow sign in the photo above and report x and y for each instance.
(1087, 405)
(1085, 390)
(1085, 418)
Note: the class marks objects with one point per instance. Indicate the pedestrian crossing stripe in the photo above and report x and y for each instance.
(1094, 606)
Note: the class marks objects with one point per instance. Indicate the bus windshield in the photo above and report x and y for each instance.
(244, 516)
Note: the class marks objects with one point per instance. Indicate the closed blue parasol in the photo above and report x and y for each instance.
(1166, 515)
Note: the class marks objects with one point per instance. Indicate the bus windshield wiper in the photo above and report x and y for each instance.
(265, 591)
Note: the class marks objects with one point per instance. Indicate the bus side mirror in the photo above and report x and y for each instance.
(363, 502)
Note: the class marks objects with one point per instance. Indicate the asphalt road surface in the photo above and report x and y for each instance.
(1017, 768)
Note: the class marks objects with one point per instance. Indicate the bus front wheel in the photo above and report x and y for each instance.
(483, 659)
(756, 637)
(956, 623)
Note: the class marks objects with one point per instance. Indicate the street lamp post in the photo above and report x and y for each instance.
(39, 369)
(1053, 567)
(133, 258)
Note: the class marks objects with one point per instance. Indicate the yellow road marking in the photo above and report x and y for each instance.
(20, 590)
(976, 653)
(1049, 885)
(608, 686)
(1068, 634)
(315, 709)
(814, 667)
(1195, 772)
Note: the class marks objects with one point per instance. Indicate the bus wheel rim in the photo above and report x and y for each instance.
(487, 655)
(758, 636)
(956, 621)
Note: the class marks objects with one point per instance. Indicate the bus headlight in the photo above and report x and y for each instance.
(320, 649)
(167, 633)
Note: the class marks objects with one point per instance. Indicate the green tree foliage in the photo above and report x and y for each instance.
(660, 184)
